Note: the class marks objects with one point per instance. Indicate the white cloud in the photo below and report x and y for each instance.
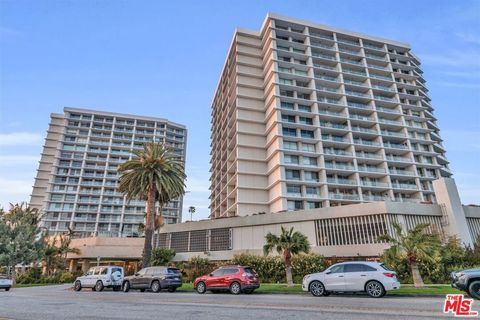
(455, 58)
(12, 160)
(20, 138)
(14, 190)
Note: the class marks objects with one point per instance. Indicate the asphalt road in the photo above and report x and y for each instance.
(60, 302)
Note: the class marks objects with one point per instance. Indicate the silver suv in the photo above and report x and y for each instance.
(468, 281)
(98, 278)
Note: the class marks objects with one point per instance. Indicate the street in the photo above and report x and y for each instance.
(59, 302)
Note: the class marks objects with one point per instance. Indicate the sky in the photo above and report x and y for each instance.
(164, 58)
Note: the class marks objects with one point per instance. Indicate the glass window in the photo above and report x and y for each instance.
(230, 271)
(311, 190)
(291, 132)
(287, 105)
(142, 271)
(310, 161)
(104, 271)
(294, 205)
(90, 271)
(304, 108)
(249, 271)
(311, 176)
(290, 145)
(307, 134)
(291, 159)
(293, 188)
(292, 174)
(336, 269)
(308, 147)
(217, 273)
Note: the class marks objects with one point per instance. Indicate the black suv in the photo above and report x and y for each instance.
(155, 279)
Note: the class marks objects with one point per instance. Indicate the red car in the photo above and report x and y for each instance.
(236, 279)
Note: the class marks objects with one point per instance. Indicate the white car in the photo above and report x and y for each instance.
(98, 278)
(5, 282)
(357, 276)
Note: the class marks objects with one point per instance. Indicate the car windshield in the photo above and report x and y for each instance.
(90, 272)
(142, 271)
(336, 269)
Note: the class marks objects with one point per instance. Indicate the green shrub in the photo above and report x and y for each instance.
(198, 266)
(65, 277)
(161, 256)
(304, 264)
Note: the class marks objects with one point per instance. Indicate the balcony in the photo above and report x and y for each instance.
(372, 169)
(355, 72)
(341, 196)
(395, 146)
(407, 186)
(359, 105)
(376, 76)
(393, 134)
(338, 152)
(341, 181)
(333, 125)
(399, 172)
(367, 142)
(375, 198)
(382, 98)
(364, 130)
(398, 159)
(339, 166)
(374, 184)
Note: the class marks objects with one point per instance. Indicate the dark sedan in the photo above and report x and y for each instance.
(155, 279)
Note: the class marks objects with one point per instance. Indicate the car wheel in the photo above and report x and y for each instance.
(375, 289)
(77, 286)
(99, 286)
(155, 286)
(316, 288)
(172, 289)
(126, 286)
(235, 288)
(201, 287)
(474, 289)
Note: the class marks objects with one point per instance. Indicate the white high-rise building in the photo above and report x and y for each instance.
(308, 116)
(77, 176)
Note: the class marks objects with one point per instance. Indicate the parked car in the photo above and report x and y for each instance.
(98, 278)
(236, 279)
(5, 282)
(360, 276)
(155, 279)
(468, 281)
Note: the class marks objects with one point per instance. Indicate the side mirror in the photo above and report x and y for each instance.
(137, 274)
(328, 272)
(211, 274)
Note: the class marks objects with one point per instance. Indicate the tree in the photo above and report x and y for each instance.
(162, 256)
(55, 251)
(21, 238)
(416, 244)
(287, 244)
(191, 210)
(155, 174)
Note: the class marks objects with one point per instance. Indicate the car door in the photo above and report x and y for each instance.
(355, 277)
(87, 278)
(334, 279)
(228, 277)
(136, 281)
(214, 280)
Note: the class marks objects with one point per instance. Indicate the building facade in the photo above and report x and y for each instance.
(307, 116)
(77, 175)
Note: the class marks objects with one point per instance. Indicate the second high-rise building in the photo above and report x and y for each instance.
(77, 176)
(309, 116)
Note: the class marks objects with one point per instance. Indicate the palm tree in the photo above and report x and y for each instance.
(155, 174)
(416, 244)
(191, 210)
(287, 244)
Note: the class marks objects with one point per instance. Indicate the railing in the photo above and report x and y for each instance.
(341, 181)
(404, 186)
(374, 184)
(402, 172)
(366, 130)
(371, 169)
(339, 166)
(359, 105)
(367, 142)
(336, 196)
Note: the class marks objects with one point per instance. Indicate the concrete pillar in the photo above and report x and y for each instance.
(72, 265)
(455, 223)
(85, 265)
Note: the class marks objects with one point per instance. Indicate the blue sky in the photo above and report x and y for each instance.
(164, 59)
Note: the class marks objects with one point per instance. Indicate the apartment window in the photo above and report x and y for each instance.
(288, 118)
(56, 197)
(294, 189)
(313, 205)
(308, 147)
(283, 48)
(292, 174)
(285, 81)
(286, 59)
(305, 120)
(294, 205)
(300, 72)
(304, 108)
(309, 161)
(287, 105)
(69, 197)
(300, 61)
(310, 176)
(290, 145)
(289, 132)
(291, 159)
(286, 70)
(311, 190)
(307, 134)
(286, 93)
(305, 96)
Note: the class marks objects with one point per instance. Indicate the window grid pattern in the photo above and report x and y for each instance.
(474, 227)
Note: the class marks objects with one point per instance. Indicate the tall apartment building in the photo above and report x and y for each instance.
(77, 176)
(309, 116)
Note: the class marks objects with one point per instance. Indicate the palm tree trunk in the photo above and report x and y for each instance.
(147, 248)
(288, 268)
(417, 277)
